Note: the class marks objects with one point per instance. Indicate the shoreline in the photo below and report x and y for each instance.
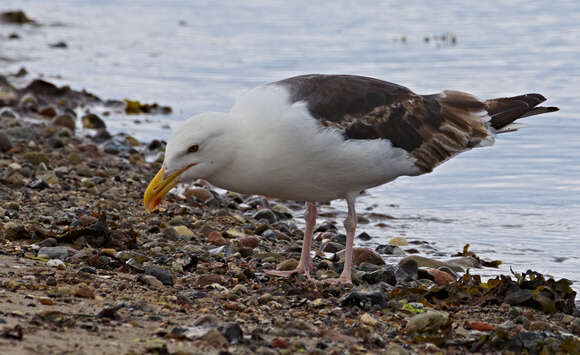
(81, 259)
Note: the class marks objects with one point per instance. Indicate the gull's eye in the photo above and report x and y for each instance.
(193, 149)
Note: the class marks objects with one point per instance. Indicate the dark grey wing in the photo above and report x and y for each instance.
(432, 128)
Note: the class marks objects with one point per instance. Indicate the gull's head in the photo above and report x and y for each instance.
(195, 150)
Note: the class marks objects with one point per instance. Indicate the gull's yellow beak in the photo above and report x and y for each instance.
(160, 186)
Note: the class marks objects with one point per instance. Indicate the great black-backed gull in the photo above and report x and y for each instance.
(324, 137)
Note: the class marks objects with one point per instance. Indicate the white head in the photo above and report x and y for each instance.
(196, 149)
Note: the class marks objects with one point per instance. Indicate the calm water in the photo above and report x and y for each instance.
(518, 201)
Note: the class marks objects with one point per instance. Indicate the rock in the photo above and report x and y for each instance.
(266, 214)
(84, 292)
(48, 111)
(200, 194)
(398, 241)
(232, 332)
(224, 250)
(17, 17)
(265, 298)
(432, 263)
(408, 270)
(48, 242)
(116, 145)
(363, 255)
(7, 112)
(365, 299)
(161, 274)
(92, 121)
(369, 320)
(364, 236)
(56, 263)
(65, 120)
(249, 241)
(428, 321)
(269, 234)
(208, 279)
(478, 325)
(382, 275)
(46, 301)
(56, 252)
(440, 277)
(183, 232)
(5, 143)
(282, 212)
(387, 249)
(151, 281)
(35, 158)
(39, 184)
(239, 289)
(14, 231)
(280, 343)
(331, 247)
(54, 142)
(287, 265)
(216, 238)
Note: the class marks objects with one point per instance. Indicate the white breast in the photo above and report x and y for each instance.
(283, 152)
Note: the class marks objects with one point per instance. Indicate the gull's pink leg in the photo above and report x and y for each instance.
(305, 263)
(350, 226)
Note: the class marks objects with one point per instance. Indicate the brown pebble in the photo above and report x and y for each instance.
(84, 292)
(286, 265)
(249, 241)
(208, 279)
(216, 238)
(280, 343)
(478, 325)
(441, 277)
(87, 220)
(47, 301)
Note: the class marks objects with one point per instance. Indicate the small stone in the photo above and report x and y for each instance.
(5, 143)
(479, 325)
(51, 281)
(282, 212)
(92, 121)
(408, 270)
(35, 158)
(382, 275)
(398, 241)
(280, 343)
(239, 289)
(183, 232)
(56, 263)
(234, 233)
(48, 242)
(365, 299)
(287, 265)
(369, 320)
(363, 255)
(331, 247)
(215, 338)
(430, 320)
(364, 236)
(84, 292)
(47, 301)
(440, 277)
(14, 231)
(249, 241)
(161, 274)
(65, 120)
(57, 252)
(200, 194)
(265, 298)
(387, 249)
(232, 332)
(48, 111)
(151, 281)
(208, 279)
(266, 214)
(216, 238)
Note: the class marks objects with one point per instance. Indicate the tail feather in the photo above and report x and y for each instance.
(504, 111)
